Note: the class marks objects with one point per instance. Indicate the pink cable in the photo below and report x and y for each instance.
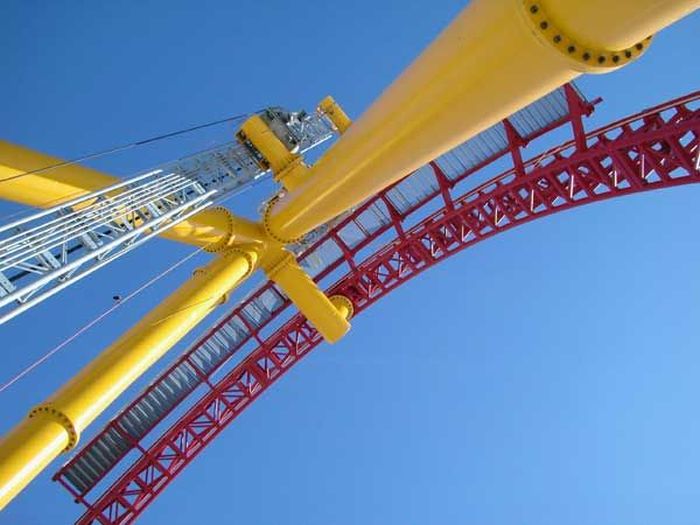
(96, 320)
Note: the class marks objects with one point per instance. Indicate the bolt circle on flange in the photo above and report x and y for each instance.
(266, 224)
(585, 58)
(225, 241)
(50, 412)
(340, 300)
(246, 255)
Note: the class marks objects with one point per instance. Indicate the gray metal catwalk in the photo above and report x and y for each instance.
(44, 253)
(141, 415)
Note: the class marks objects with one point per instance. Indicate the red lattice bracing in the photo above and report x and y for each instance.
(654, 149)
(125, 431)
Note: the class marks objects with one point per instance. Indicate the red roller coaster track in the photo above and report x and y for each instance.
(658, 148)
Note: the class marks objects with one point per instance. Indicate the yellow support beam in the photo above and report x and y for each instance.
(50, 188)
(495, 58)
(287, 167)
(615, 24)
(55, 425)
(335, 113)
(329, 316)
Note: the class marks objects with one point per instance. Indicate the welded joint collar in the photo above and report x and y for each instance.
(585, 58)
(49, 411)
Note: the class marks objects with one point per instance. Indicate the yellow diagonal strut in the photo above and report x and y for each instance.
(55, 425)
(495, 58)
(49, 188)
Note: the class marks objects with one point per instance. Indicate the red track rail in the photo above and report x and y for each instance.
(577, 108)
(654, 149)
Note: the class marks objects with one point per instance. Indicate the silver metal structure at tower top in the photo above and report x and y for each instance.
(46, 252)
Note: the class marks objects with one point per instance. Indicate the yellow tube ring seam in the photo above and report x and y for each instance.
(268, 229)
(591, 59)
(225, 240)
(202, 271)
(344, 301)
(291, 172)
(247, 256)
(51, 412)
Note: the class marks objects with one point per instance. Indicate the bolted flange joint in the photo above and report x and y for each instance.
(246, 254)
(585, 58)
(268, 229)
(225, 241)
(343, 303)
(49, 411)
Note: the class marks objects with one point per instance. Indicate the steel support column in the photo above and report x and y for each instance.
(525, 48)
(55, 425)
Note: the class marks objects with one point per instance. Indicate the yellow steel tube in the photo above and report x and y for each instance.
(26, 452)
(344, 306)
(288, 168)
(226, 229)
(616, 24)
(56, 424)
(256, 130)
(335, 113)
(330, 320)
(50, 188)
(209, 228)
(495, 58)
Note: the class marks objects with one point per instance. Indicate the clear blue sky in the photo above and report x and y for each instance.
(547, 376)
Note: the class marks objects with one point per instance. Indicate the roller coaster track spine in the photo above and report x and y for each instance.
(657, 148)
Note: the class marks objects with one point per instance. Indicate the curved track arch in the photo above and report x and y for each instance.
(658, 148)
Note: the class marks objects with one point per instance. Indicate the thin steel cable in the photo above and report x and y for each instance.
(111, 151)
(96, 320)
(125, 147)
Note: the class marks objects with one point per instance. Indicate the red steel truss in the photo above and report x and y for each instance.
(657, 148)
(577, 108)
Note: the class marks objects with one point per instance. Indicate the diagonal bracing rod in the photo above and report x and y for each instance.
(524, 48)
(45, 253)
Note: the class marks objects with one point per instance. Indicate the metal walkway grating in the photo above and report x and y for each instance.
(45, 252)
(97, 457)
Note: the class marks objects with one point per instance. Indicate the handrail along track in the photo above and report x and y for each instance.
(657, 148)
